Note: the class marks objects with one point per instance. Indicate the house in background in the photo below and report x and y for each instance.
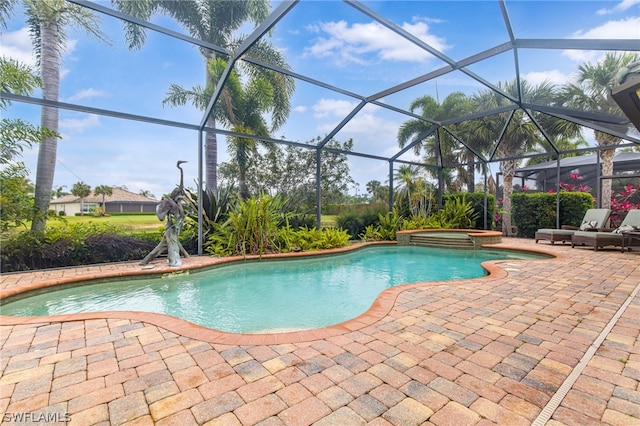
(120, 201)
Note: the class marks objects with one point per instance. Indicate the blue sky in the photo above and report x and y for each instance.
(325, 40)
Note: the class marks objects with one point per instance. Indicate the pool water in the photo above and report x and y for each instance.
(270, 296)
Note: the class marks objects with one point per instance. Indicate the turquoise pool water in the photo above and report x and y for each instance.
(271, 296)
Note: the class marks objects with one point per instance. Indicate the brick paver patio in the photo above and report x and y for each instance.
(537, 342)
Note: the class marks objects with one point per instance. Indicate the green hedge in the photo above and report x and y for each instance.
(357, 209)
(477, 201)
(355, 223)
(533, 211)
(72, 246)
(131, 214)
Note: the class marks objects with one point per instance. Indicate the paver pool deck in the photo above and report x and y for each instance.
(535, 342)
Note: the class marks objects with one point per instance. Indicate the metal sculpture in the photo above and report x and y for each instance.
(170, 208)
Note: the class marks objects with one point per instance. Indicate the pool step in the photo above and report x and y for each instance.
(434, 240)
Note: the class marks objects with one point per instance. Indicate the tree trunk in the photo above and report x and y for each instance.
(211, 158)
(508, 169)
(607, 170)
(606, 155)
(471, 176)
(50, 73)
(210, 144)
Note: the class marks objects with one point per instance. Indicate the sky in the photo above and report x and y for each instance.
(329, 41)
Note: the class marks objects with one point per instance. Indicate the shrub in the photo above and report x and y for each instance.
(421, 222)
(352, 223)
(533, 211)
(79, 244)
(259, 226)
(252, 228)
(477, 202)
(385, 229)
(622, 201)
(371, 233)
(573, 206)
(358, 219)
(309, 239)
(357, 209)
(216, 207)
(62, 213)
(301, 221)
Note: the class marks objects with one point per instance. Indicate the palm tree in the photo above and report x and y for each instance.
(521, 136)
(146, 193)
(59, 191)
(214, 21)
(241, 111)
(441, 146)
(81, 189)
(563, 144)
(16, 134)
(47, 20)
(592, 91)
(413, 194)
(104, 190)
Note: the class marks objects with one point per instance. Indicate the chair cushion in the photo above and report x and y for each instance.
(588, 224)
(622, 228)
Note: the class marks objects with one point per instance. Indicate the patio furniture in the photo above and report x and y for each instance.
(629, 238)
(613, 238)
(593, 220)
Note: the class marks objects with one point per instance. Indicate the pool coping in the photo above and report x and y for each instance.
(381, 306)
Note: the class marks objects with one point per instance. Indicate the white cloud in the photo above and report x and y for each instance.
(87, 94)
(76, 125)
(332, 107)
(620, 7)
(300, 109)
(628, 28)
(552, 76)
(17, 45)
(365, 126)
(364, 43)
(427, 20)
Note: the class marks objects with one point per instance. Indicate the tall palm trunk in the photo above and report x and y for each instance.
(607, 166)
(50, 72)
(211, 158)
(508, 169)
(471, 172)
(607, 170)
(210, 143)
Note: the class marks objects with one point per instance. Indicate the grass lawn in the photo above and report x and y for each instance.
(327, 221)
(139, 222)
(134, 222)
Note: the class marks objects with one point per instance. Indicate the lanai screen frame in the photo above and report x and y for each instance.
(605, 123)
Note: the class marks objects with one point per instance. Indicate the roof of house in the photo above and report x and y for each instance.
(119, 195)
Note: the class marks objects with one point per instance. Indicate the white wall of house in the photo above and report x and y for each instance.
(70, 209)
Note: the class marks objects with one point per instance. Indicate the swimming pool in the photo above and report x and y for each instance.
(271, 296)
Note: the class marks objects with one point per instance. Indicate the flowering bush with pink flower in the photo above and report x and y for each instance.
(575, 185)
(623, 201)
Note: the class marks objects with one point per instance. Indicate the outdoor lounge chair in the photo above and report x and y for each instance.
(593, 219)
(612, 238)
